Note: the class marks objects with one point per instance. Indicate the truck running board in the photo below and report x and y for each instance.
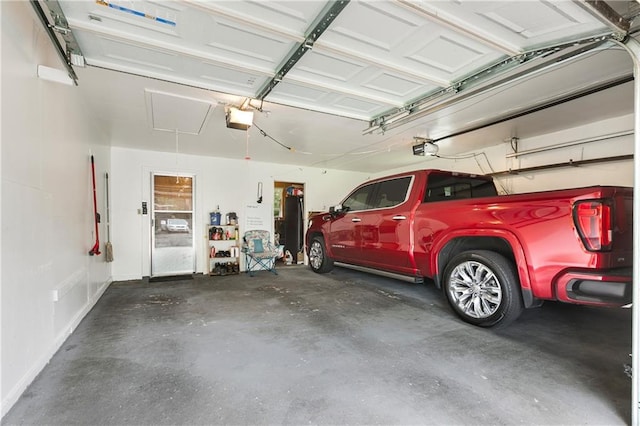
(407, 278)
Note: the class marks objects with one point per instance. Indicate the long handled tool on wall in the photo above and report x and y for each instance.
(95, 250)
(108, 248)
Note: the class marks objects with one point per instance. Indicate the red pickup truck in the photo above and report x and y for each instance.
(493, 255)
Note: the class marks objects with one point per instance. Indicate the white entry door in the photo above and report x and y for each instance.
(172, 242)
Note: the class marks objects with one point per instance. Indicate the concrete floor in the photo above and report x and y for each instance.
(341, 348)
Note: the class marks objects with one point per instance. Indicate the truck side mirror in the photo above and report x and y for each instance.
(336, 210)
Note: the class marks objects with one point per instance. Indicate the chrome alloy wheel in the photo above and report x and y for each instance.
(475, 289)
(316, 254)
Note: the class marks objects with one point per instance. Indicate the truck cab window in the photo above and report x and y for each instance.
(447, 187)
(391, 193)
(358, 200)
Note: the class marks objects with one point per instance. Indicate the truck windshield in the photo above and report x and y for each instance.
(447, 187)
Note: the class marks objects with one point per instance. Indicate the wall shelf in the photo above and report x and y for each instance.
(224, 250)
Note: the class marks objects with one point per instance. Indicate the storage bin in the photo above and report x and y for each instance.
(215, 218)
(232, 218)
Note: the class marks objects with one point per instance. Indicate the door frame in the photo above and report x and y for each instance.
(279, 220)
(195, 223)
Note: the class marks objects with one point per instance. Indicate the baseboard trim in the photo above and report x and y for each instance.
(17, 391)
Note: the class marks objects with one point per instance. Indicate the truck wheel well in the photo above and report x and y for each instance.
(312, 235)
(458, 245)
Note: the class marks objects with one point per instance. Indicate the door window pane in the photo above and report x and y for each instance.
(172, 193)
(358, 200)
(392, 192)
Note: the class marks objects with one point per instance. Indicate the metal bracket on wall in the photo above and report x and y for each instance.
(607, 14)
(517, 153)
(569, 163)
(71, 53)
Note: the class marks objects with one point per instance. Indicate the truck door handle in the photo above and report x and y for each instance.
(399, 217)
(356, 219)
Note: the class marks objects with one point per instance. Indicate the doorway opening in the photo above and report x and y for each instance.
(172, 237)
(288, 216)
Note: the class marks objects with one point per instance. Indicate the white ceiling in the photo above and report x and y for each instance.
(184, 62)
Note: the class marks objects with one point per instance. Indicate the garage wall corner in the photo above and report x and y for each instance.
(48, 280)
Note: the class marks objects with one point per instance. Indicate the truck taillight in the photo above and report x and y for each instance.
(593, 221)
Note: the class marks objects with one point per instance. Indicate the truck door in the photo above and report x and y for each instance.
(345, 237)
(386, 226)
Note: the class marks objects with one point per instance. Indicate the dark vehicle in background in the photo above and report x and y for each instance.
(492, 255)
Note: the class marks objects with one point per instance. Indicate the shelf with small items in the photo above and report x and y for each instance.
(224, 250)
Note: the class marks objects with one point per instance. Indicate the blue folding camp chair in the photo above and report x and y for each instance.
(259, 252)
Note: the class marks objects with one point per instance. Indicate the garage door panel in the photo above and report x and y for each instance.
(523, 24)
(387, 33)
(325, 100)
(364, 79)
(292, 17)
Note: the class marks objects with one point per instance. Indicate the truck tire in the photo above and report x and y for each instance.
(483, 289)
(319, 261)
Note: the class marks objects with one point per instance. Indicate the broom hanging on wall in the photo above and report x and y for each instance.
(95, 250)
(108, 248)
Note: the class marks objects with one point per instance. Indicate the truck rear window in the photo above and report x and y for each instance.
(447, 187)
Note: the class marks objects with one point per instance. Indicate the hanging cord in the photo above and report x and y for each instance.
(475, 157)
(177, 174)
(247, 157)
(292, 149)
(263, 133)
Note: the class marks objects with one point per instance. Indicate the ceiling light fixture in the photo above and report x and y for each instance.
(423, 146)
(238, 119)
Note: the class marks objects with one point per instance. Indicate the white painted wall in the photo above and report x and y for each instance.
(47, 210)
(613, 173)
(231, 184)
